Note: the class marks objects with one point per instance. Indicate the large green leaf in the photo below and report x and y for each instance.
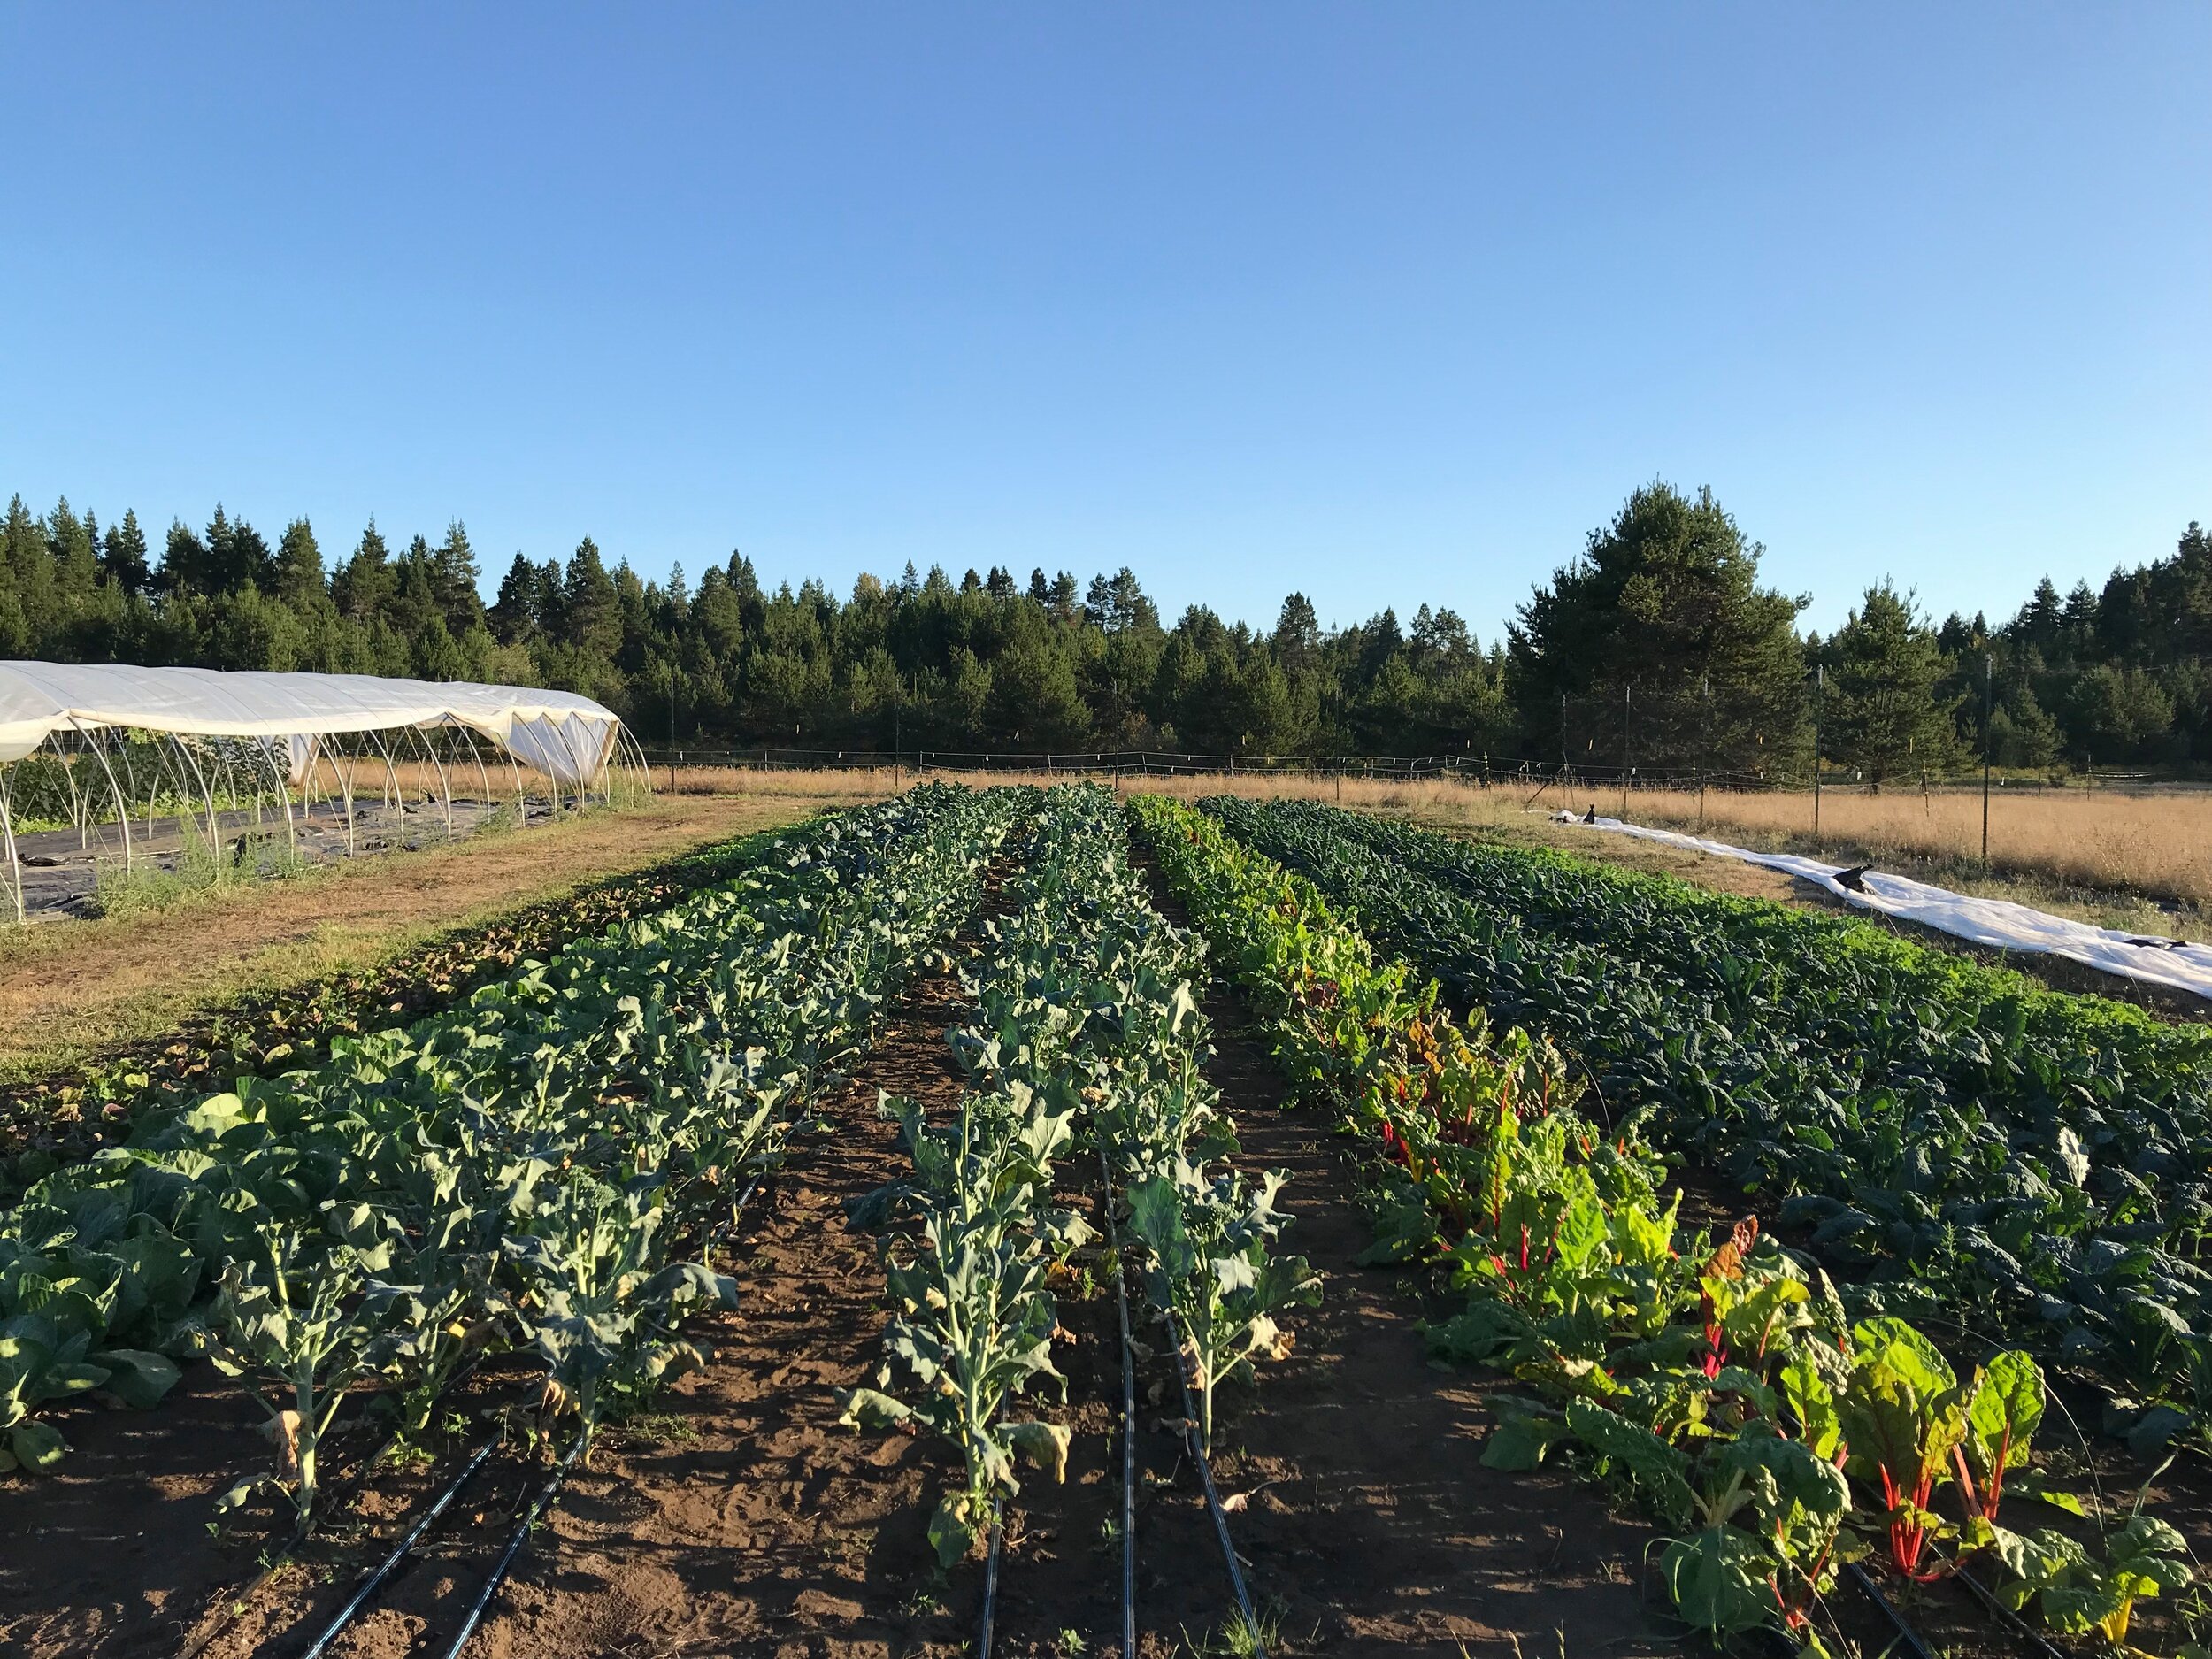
(1719, 1579)
(1521, 1440)
(36, 1445)
(137, 1377)
(2004, 1412)
(1655, 1469)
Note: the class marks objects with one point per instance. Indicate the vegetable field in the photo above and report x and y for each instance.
(1031, 1221)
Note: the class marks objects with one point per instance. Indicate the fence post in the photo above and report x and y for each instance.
(1820, 688)
(1627, 695)
(1989, 671)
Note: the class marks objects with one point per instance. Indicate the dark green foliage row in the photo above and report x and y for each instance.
(56, 1119)
(1966, 1148)
(522, 1165)
(1656, 646)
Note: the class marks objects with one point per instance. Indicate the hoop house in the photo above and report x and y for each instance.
(103, 753)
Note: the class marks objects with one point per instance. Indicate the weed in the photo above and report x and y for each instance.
(661, 1428)
(1239, 1640)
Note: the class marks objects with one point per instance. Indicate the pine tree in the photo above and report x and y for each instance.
(1663, 602)
(1882, 714)
(514, 614)
(184, 563)
(69, 542)
(365, 583)
(454, 578)
(719, 615)
(297, 578)
(237, 555)
(414, 604)
(1297, 637)
(123, 555)
(26, 566)
(591, 618)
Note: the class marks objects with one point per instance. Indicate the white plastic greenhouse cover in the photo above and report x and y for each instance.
(567, 737)
(1995, 922)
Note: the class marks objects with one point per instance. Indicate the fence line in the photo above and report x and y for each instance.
(1476, 771)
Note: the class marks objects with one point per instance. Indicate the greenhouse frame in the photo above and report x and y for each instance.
(101, 754)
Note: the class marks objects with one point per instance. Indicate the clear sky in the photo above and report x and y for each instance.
(1386, 302)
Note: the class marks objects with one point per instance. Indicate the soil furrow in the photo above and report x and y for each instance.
(1370, 1522)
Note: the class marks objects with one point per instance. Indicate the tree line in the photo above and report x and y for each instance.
(1656, 647)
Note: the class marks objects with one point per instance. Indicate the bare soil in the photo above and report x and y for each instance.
(739, 1519)
(1370, 1522)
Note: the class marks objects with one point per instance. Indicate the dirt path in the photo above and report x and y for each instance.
(756, 1525)
(1372, 1526)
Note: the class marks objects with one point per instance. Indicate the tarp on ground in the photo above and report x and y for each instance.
(1994, 922)
(568, 737)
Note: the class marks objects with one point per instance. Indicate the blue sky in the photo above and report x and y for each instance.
(1388, 303)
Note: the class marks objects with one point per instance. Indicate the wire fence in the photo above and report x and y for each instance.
(1481, 771)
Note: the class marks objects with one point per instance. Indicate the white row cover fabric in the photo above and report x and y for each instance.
(1994, 922)
(568, 737)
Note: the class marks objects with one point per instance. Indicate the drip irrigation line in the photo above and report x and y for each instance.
(1906, 1633)
(514, 1548)
(1128, 1428)
(283, 1557)
(1592, 1075)
(376, 1580)
(1213, 1498)
(990, 1577)
(2007, 1616)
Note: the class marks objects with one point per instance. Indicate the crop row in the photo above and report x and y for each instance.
(1965, 1147)
(52, 1121)
(542, 1166)
(1088, 1035)
(1722, 1380)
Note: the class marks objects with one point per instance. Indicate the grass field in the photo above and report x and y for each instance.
(2156, 843)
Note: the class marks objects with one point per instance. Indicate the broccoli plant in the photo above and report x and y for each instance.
(284, 1323)
(1209, 1242)
(975, 1328)
(593, 1305)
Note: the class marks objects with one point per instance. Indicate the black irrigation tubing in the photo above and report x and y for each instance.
(200, 1643)
(506, 1562)
(1906, 1633)
(1128, 1427)
(1213, 1498)
(990, 1577)
(2006, 1616)
(376, 1580)
(283, 1557)
(483, 1602)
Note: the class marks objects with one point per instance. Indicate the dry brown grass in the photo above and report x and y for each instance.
(2157, 843)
